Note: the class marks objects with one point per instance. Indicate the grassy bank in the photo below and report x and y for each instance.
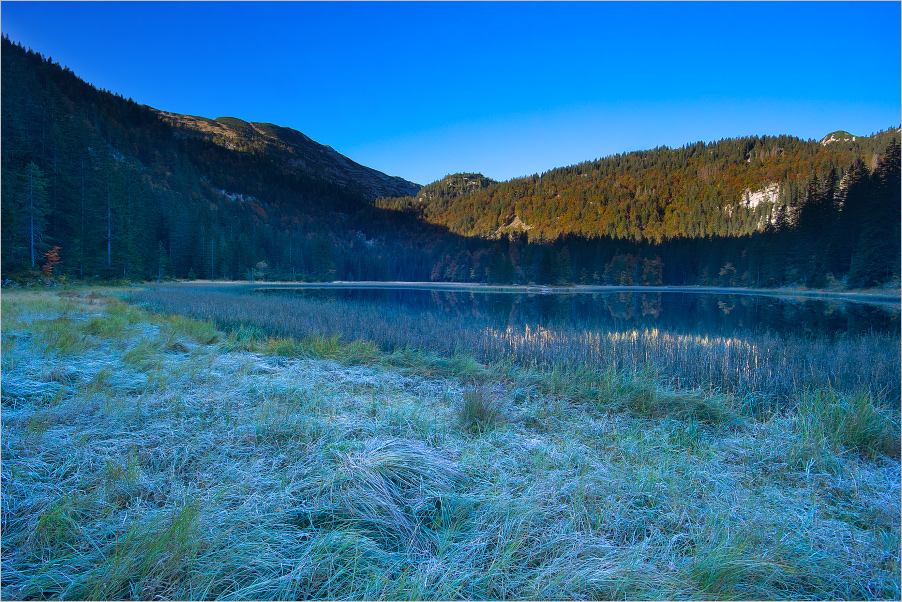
(156, 456)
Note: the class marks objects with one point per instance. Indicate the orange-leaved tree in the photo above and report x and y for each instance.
(53, 260)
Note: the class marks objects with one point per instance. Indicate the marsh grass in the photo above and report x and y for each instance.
(643, 397)
(765, 371)
(169, 460)
(849, 422)
(480, 409)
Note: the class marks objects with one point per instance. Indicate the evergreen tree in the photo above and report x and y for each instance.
(852, 211)
(323, 259)
(500, 269)
(546, 272)
(876, 257)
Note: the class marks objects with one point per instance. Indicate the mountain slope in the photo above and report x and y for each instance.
(293, 150)
(123, 190)
(732, 187)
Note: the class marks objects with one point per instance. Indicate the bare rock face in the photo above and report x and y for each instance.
(295, 151)
(838, 136)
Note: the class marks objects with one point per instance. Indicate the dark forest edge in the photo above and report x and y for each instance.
(97, 188)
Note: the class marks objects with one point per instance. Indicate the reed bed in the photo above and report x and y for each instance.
(155, 456)
(761, 369)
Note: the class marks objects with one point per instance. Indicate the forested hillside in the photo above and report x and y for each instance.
(122, 191)
(831, 208)
(732, 187)
(94, 184)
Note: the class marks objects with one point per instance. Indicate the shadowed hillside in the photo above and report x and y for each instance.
(294, 151)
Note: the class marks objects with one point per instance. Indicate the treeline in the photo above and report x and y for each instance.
(94, 184)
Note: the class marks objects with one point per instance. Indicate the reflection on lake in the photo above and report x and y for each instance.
(698, 313)
(752, 347)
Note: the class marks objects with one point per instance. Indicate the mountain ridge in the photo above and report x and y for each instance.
(294, 149)
(731, 187)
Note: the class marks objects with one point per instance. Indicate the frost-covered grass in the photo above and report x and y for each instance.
(153, 456)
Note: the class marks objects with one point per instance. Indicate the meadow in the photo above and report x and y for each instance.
(208, 443)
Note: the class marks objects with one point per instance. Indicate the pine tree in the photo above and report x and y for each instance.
(852, 211)
(323, 257)
(500, 270)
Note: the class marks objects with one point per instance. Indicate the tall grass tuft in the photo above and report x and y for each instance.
(148, 561)
(480, 409)
(396, 491)
(851, 422)
(201, 331)
(640, 395)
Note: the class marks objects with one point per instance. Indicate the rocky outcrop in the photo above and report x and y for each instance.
(838, 136)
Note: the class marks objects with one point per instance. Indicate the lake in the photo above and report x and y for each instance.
(749, 345)
(682, 311)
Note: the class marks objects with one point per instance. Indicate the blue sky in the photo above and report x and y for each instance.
(421, 90)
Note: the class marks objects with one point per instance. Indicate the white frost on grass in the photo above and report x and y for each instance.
(171, 468)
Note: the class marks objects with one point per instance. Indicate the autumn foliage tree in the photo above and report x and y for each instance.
(53, 259)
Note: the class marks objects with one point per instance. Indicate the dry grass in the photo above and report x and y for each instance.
(153, 457)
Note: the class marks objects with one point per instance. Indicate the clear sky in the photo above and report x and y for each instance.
(421, 90)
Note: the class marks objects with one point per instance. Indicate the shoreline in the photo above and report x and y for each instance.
(877, 298)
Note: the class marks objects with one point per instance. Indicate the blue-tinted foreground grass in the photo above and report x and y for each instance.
(154, 456)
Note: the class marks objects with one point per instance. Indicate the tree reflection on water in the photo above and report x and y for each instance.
(675, 311)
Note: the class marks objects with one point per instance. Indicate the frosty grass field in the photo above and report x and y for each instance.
(178, 443)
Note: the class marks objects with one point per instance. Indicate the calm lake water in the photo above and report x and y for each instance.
(672, 311)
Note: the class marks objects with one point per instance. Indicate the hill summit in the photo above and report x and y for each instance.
(838, 136)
